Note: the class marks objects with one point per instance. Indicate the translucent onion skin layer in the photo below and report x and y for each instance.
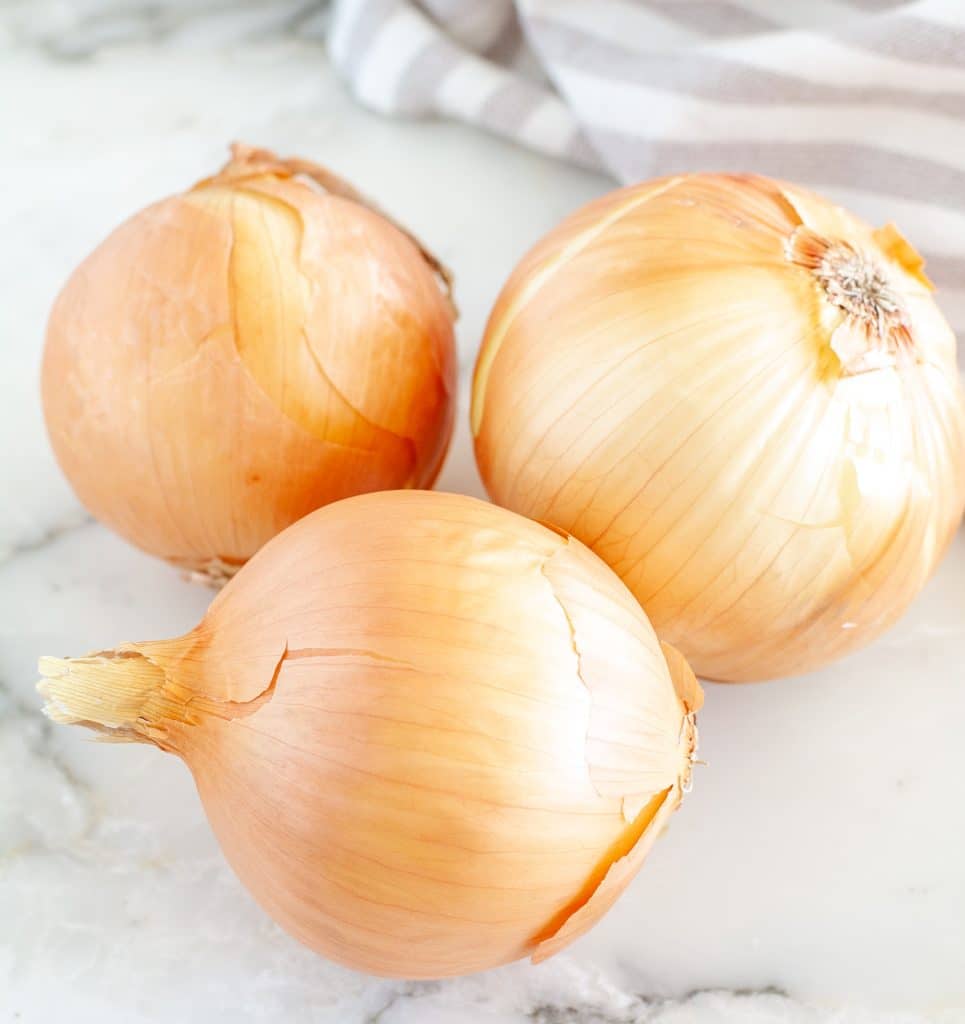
(432, 736)
(234, 357)
(745, 401)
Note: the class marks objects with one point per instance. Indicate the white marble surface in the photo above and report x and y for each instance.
(816, 873)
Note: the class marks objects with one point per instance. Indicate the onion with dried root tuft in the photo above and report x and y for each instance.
(431, 736)
(234, 357)
(742, 398)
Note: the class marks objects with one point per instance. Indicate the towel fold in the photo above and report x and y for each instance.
(863, 100)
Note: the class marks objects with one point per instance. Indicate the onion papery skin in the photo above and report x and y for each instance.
(232, 358)
(431, 736)
(741, 397)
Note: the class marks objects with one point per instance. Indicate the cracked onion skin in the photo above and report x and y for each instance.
(231, 358)
(431, 736)
(741, 397)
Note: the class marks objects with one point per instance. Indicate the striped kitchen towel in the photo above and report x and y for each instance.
(863, 100)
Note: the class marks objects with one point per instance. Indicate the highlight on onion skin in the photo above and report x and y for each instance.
(232, 358)
(741, 397)
(431, 736)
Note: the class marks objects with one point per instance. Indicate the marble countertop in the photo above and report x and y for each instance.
(817, 871)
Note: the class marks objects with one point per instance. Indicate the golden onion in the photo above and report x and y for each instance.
(431, 736)
(742, 398)
(234, 357)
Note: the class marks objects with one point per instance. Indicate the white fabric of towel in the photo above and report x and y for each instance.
(863, 100)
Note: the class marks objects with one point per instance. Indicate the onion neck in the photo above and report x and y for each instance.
(873, 331)
(249, 162)
(125, 693)
(145, 692)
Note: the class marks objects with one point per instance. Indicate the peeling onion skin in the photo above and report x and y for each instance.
(234, 357)
(742, 398)
(431, 736)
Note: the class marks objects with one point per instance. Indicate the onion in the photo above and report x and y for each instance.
(431, 736)
(745, 401)
(234, 357)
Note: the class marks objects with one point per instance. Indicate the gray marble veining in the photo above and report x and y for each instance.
(79, 30)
